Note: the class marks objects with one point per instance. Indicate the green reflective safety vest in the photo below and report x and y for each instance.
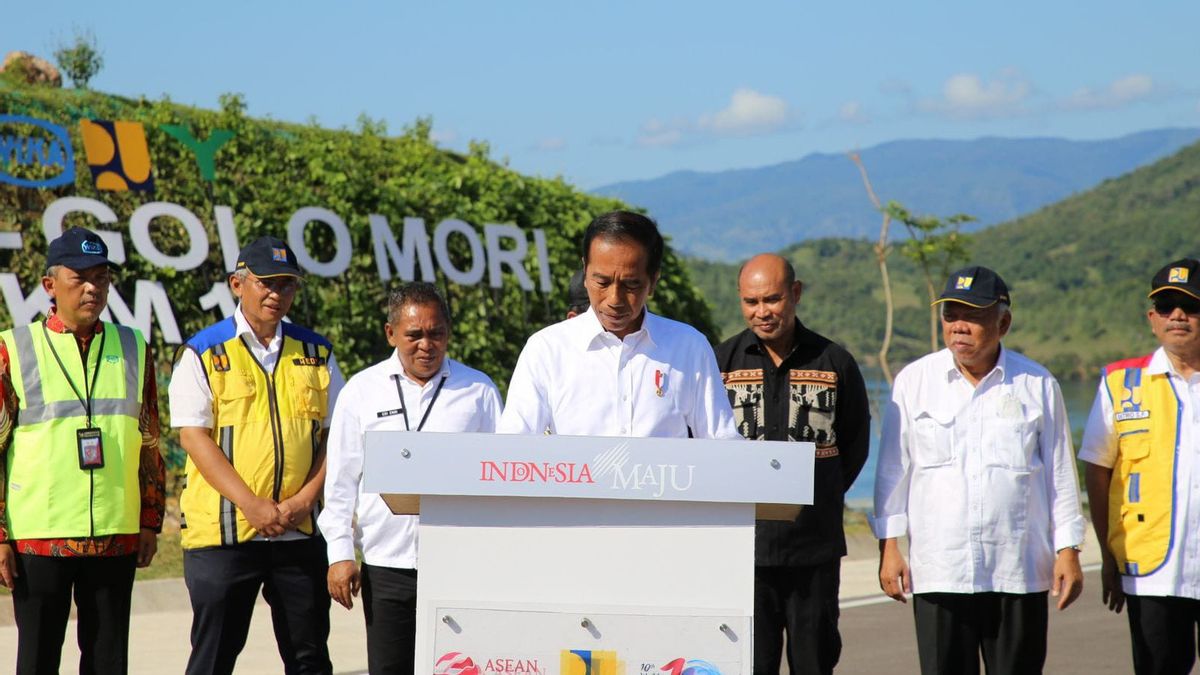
(49, 496)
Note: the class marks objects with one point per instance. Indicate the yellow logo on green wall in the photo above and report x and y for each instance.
(117, 154)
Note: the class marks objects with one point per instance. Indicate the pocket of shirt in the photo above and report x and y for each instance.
(1010, 443)
(1134, 446)
(236, 400)
(933, 442)
(310, 391)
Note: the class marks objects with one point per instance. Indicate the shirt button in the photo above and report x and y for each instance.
(625, 397)
(624, 431)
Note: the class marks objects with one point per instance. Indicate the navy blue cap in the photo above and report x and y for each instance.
(975, 286)
(1182, 275)
(269, 257)
(78, 249)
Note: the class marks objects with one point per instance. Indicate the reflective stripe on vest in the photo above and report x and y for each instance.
(49, 496)
(1141, 502)
(34, 409)
(268, 426)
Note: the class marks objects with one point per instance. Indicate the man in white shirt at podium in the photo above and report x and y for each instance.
(617, 369)
(417, 388)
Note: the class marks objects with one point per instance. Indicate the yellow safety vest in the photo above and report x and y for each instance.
(1141, 495)
(267, 424)
(49, 496)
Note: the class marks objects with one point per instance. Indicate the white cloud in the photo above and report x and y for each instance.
(1120, 92)
(659, 134)
(748, 112)
(967, 95)
(552, 144)
(852, 112)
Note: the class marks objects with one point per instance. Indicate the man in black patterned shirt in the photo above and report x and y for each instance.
(787, 383)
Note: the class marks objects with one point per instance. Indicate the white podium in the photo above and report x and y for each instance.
(572, 555)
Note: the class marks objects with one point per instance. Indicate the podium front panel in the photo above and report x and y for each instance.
(554, 583)
(587, 641)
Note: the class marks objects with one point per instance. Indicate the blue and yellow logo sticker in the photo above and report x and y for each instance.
(1177, 275)
(590, 662)
(279, 254)
(963, 283)
(118, 155)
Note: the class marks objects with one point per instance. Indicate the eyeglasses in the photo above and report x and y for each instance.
(277, 285)
(1167, 306)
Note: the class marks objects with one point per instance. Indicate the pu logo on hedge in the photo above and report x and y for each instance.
(44, 144)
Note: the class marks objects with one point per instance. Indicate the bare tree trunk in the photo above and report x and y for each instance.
(881, 253)
(933, 314)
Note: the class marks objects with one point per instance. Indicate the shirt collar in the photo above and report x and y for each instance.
(243, 328)
(394, 367)
(1160, 363)
(952, 371)
(54, 324)
(589, 329)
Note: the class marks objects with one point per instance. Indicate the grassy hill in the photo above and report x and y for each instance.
(1079, 272)
(729, 215)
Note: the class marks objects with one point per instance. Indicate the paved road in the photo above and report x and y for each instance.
(879, 637)
(1086, 639)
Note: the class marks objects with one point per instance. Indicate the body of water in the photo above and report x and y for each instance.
(1077, 394)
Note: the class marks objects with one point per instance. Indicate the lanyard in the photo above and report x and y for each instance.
(88, 389)
(404, 407)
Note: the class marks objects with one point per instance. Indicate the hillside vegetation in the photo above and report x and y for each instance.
(1079, 271)
(270, 169)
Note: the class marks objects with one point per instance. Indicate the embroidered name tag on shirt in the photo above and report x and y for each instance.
(389, 413)
(1131, 415)
(309, 361)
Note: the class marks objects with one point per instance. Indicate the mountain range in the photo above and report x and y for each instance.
(730, 215)
(1078, 270)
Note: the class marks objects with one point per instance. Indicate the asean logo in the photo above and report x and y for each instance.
(117, 155)
(455, 663)
(963, 283)
(1177, 275)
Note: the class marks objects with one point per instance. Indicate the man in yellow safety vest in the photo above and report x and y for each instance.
(1142, 448)
(251, 396)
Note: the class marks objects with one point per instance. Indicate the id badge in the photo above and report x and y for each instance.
(91, 451)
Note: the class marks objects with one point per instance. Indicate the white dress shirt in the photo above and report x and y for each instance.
(1179, 575)
(190, 399)
(981, 479)
(468, 401)
(576, 378)
(189, 396)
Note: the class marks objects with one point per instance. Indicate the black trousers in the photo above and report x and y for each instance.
(954, 628)
(223, 583)
(1164, 633)
(390, 608)
(102, 587)
(803, 601)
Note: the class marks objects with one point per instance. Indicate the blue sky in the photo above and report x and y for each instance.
(600, 92)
